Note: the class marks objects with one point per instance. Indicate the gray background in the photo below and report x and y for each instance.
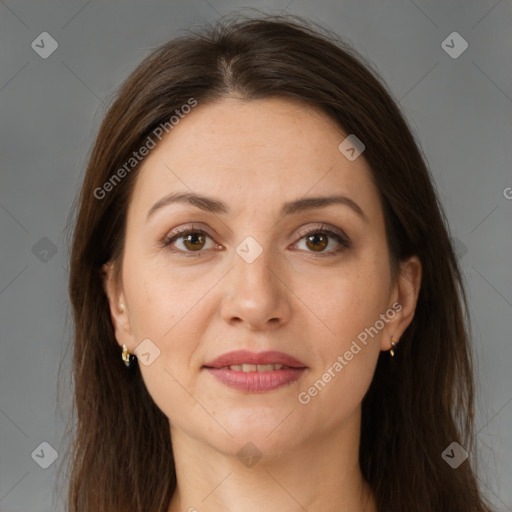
(459, 109)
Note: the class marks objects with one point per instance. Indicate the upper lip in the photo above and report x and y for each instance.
(248, 357)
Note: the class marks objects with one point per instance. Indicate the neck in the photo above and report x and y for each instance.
(320, 475)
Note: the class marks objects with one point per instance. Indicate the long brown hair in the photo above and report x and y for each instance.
(418, 403)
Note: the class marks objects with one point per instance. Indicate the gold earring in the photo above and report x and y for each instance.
(392, 349)
(127, 357)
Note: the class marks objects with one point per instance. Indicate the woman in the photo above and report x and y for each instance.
(268, 311)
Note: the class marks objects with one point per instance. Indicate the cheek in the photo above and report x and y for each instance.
(166, 310)
(355, 299)
(348, 355)
(344, 392)
(161, 300)
(337, 386)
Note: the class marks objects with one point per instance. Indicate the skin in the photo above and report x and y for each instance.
(255, 155)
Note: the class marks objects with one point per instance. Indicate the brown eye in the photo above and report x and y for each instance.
(317, 242)
(188, 240)
(194, 241)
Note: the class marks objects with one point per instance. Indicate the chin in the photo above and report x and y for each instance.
(267, 428)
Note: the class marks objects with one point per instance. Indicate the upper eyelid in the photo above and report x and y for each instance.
(320, 227)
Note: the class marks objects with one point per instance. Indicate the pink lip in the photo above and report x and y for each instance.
(245, 356)
(255, 381)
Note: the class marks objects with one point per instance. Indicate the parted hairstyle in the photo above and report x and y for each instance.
(418, 403)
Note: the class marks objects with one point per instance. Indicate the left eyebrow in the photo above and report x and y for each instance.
(210, 204)
(313, 203)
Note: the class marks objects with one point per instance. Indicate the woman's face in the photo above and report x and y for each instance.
(252, 278)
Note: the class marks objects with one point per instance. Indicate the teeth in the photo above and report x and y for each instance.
(254, 367)
(265, 367)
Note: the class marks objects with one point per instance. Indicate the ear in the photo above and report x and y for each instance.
(118, 308)
(404, 299)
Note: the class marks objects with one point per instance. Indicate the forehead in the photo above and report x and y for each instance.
(252, 153)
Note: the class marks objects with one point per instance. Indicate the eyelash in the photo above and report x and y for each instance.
(324, 230)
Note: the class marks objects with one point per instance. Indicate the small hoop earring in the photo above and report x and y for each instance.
(127, 357)
(392, 349)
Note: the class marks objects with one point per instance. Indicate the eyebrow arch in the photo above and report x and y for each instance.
(209, 204)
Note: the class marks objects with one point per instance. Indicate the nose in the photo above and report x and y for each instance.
(256, 293)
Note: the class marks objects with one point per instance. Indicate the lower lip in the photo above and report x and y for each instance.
(255, 382)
